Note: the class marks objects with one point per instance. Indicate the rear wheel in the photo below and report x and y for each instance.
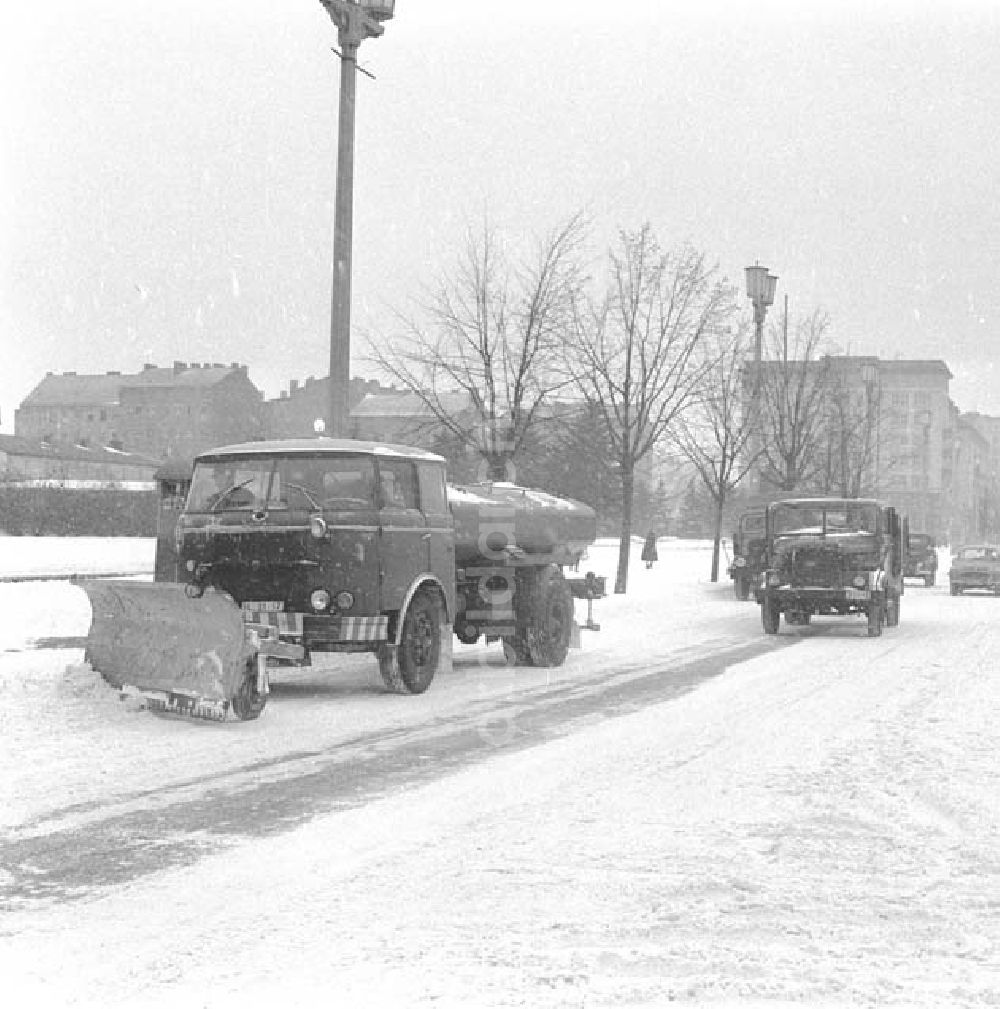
(955, 590)
(928, 580)
(876, 617)
(545, 616)
(741, 586)
(515, 651)
(892, 611)
(770, 615)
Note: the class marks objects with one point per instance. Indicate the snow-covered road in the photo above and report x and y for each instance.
(816, 826)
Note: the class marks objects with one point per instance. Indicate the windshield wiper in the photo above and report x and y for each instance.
(305, 493)
(229, 490)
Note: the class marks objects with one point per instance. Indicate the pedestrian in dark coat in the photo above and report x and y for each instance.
(649, 549)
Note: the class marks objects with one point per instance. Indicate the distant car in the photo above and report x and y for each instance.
(921, 559)
(975, 567)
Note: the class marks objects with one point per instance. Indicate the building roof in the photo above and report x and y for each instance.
(407, 404)
(71, 389)
(12, 444)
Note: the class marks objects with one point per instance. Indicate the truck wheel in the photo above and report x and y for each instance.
(770, 616)
(955, 590)
(892, 611)
(412, 668)
(515, 651)
(929, 580)
(249, 701)
(546, 617)
(741, 586)
(876, 616)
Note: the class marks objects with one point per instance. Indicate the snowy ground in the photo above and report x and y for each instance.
(817, 826)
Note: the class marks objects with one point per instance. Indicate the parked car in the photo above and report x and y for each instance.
(975, 567)
(921, 559)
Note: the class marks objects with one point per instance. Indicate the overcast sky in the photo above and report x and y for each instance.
(168, 170)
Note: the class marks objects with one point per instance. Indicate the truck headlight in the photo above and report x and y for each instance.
(345, 600)
(319, 600)
(317, 527)
(859, 581)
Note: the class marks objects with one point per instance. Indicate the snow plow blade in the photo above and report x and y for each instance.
(190, 655)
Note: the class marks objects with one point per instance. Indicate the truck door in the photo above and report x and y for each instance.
(440, 526)
(404, 547)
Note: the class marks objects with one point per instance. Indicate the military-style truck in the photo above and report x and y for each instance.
(921, 559)
(748, 552)
(288, 548)
(831, 556)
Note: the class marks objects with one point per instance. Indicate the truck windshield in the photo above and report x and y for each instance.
(840, 519)
(309, 483)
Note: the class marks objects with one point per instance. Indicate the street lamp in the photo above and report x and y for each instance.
(356, 20)
(760, 290)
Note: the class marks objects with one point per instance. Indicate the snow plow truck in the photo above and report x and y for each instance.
(283, 549)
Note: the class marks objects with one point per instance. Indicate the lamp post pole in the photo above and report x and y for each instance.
(760, 291)
(356, 20)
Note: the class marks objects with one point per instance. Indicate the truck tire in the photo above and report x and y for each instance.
(411, 669)
(741, 586)
(876, 617)
(892, 611)
(770, 615)
(516, 652)
(928, 580)
(545, 616)
(249, 701)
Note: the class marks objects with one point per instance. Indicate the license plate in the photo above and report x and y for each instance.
(265, 605)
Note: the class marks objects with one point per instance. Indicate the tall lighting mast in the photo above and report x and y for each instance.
(356, 20)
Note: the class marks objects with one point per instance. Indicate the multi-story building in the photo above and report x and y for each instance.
(891, 430)
(159, 412)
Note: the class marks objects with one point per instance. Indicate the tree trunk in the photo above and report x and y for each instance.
(720, 503)
(625, 543)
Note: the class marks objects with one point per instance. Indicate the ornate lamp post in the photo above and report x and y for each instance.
(760, 291)
(356, 20)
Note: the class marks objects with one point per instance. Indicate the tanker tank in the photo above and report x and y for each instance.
(495, 519)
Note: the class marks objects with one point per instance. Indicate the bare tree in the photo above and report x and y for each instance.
(792, 404)
(853, 419)
(493, 332)
(717, 436)
(634, 357)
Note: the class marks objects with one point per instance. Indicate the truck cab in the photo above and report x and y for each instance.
(334, 545)
(832, 556)
(748, 552)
